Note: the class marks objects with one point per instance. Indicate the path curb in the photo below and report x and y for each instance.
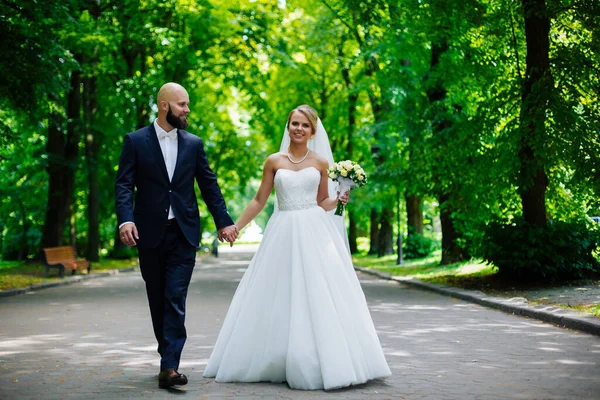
(517, 305)
(65, 281)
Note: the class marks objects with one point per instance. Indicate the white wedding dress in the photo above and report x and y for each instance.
(299, 314)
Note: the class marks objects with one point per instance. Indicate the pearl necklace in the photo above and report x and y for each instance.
(298, 162)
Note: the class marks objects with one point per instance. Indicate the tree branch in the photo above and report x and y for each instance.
(515, 43)
(350, 27)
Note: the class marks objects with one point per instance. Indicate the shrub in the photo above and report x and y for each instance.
(123, 252)
(419, 246)
(561, 250)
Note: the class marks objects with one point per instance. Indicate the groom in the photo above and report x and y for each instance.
(158, 166)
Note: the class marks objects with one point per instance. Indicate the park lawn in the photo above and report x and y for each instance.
(428, 269)
(471, 275)
(593, 309)
(17, 274)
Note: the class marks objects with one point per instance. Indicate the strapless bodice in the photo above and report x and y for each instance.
(297, 190)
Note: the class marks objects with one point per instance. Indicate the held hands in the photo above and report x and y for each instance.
(229, 234)
(128, 234)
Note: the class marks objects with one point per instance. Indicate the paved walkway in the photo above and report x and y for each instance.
(93, 340)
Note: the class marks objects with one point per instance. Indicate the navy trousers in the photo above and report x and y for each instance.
(167, 270)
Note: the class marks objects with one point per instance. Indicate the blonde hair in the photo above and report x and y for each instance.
(309, 113)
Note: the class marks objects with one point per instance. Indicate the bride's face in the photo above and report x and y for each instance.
(299, 128)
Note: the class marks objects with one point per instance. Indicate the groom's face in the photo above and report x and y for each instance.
(177, 115)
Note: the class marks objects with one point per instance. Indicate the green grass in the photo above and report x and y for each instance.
(109, 263)
(593, 309)
(9, 264)
(428, 269)
(17, 274)
(472, 275)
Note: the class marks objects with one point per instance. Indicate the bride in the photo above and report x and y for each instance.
(299, 314)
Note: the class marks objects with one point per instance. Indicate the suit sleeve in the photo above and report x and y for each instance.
(211, 193)
(125, 183)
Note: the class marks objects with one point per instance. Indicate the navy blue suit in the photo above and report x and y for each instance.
(167, 251)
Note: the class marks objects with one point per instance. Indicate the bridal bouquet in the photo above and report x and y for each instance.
(348, 174)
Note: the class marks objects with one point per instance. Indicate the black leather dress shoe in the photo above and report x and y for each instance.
(168, 377)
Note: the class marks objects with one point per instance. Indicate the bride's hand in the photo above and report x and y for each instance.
(344, 198)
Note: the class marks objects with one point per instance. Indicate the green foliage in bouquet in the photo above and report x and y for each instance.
(561, 250)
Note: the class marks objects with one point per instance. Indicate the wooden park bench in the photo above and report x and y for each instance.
(63, 258)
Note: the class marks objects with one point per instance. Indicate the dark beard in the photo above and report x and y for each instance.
(174, 121)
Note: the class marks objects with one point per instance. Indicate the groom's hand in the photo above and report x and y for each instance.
(128, 234)
(229, 234)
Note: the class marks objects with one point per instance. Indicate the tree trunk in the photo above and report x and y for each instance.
(23, 248)
(386, 233)
(374, 234)
(72, 149)
(353, 235)
(352, 101)
(90, 90)
(142, 117)
(380, 105)
(130, 54)
(537, 89)
(323, 98)
(54, 221)
(451, 251)
(385, 236)
(414, 215)
(1, 240)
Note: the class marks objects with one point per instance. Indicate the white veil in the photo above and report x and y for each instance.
(320, 145)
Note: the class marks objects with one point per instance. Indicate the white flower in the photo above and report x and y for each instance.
(344, 172)
(332, 175)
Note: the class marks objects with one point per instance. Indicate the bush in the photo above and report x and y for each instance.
(561, 250)
(123, 253)
(419, 246)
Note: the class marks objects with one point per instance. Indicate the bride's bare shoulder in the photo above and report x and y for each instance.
(274, 160)
(276, 157)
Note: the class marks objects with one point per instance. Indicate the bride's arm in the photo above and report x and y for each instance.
(261, 197)
(323, 198)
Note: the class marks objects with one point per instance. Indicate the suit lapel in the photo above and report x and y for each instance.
(152, 140)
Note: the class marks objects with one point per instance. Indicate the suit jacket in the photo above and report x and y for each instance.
(142, 171)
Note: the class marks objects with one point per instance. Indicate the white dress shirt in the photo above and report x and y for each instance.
(168, 147)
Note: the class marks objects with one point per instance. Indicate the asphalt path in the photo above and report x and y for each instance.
(93, 340)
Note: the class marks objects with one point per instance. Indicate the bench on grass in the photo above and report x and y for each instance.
(63, 258)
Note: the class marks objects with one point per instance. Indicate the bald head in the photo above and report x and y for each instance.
(169, 91)
(173, 101)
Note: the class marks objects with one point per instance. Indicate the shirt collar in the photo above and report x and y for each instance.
(159, 129)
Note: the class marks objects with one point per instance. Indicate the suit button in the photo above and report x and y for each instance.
(167, 210)
(170, 191)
